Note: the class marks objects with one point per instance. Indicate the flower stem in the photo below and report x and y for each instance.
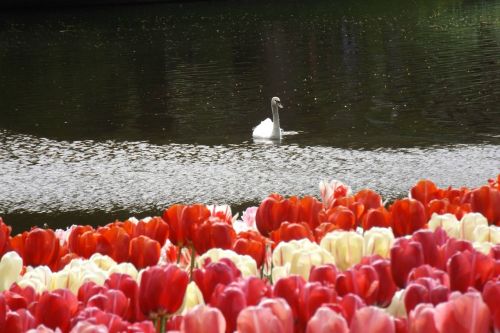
(179, 249)
(163, 321)
(191, 267)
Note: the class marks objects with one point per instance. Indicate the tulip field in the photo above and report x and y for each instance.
(339, 262)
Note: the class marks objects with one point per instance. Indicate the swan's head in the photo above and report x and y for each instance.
(276, 101)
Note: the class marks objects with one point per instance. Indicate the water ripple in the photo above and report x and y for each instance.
(41, 175)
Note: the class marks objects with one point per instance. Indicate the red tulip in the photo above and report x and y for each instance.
(350, 304)
(372, 320)
(85, 241)
(55, 309)
(491, 295)
(309, 208)
(203, 319)
(144, 252)
(251, 243)
(324, 274)
(405, 255)
(4, 238)
(486, 200)
(376, 217)
(361, 280)
(184, 221)
(230, 300)
(273, 211)
(38, 247)
(155, 228)
(126, 284)
(324, 228)
(290, 231)
(120, 240)
(290, 289)
(425, 191)
(156, 291)
(207, 278)
(111, 301)
(387, 287)
(312, 296)
(469, 269)
(408, 216)
(426, 271)
(89, 289)
(463, 314)
(424, 290)
(213, 233)
(430, 242)
(326, 320)
(421, 319)
(342, 217)
(19, 321)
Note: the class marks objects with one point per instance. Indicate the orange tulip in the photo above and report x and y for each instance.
(376, 217)
(213, 234)
(144, 251)
(155, 228)
(251, 243)
(340, 216)
(425, 191)
(4, 238)
(273, 211)
(408, 215)
(184, 221)
(486, 200)
(288, 231)
(120, 240)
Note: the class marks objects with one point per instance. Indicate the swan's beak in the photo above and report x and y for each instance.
(280, 105)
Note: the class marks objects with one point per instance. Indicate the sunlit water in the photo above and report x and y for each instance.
(111, 111)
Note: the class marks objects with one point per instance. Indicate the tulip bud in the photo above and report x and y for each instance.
(10, 269)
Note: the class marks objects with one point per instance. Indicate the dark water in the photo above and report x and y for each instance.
(111, 111)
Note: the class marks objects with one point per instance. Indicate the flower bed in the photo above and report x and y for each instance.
(345, 263)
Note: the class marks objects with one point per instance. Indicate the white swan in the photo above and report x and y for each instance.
(268, 129)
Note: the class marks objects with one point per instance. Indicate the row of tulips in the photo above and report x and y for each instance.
(348, 262)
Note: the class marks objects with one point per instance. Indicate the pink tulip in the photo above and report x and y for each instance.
(281, 310)
(372, 320)
(326, 320)
(361, 280)
(491, 296)
(258, 319)
(212, 274)
(19, 321)
(126, 284)
(325, 274)
(463, 313)
(421, 319)
(230, 300)
(350, 304)
(425, 290)
(405, 255)
(203, 319)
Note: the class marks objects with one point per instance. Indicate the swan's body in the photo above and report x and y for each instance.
(270, 129)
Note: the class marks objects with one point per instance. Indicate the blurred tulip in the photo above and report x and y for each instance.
(378, 241)
(372, 320)
(324, 274)
(427, 271)
(431, 243)
(291, 231)
(323, 229)
(55, 309)
(86, 327)
(251, 243)
(38, 247)
(376, 217)
(408, 215)
(397, 306)
(308, 210)
(311, 297)
(183, 222)
(213, 234)
(360, 280)
(281, 310)
(425, 191)
(326, 320)
(342, 217)
(491, 295)
(345, 247)
(120, 239)
(469, 269)
(424, 290)
(448, 222)
(332, 190)
(4, 237)
(486, 200)
(156, 294)
(11, 265)
(244, 263)
(290, 289)
(255, 319)
(111, 301)
(144, 252)
(273, 211)
(38, 278)
(463, 313)
(192, 298)
(421, 319)
(203, 319)
(214, 273)
(486, 234)
(126, 284)
(155, 228)
(468, 224)
(19, 321)
(405, 255)
(230, 301)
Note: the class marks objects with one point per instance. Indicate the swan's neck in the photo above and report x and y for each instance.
(276, 122)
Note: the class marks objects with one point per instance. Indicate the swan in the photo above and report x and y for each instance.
(268, 129)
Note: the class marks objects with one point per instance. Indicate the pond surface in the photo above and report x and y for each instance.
(107, 112)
